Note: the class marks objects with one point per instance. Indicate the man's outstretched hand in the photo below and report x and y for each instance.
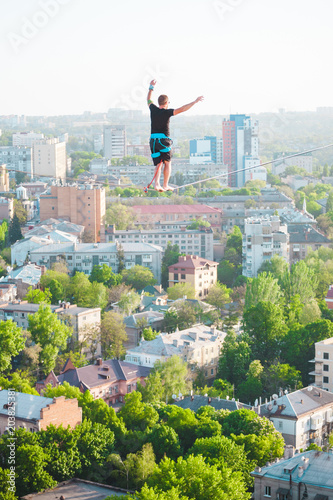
(153, 82)
(198, 99)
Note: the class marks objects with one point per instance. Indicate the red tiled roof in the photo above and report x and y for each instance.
(193, 262)
(174, 209)
(329, 293)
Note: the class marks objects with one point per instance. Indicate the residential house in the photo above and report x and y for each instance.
(199, 346)
(34, 413)
(198, 272)
(8, 291)
(23, 278)
(304, 476)
(304, 238)
(303, 417)
(323, 364)
(110, 380)
(135, 323)
(79, 318)
(195, 402)
(78, 488)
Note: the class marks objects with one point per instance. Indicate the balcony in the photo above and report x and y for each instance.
(316, 373)
(316, 423)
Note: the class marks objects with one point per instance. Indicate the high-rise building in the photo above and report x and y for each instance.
(50, 158)
(206, 150)
(240, 145)
(84, 205)
(114, 141)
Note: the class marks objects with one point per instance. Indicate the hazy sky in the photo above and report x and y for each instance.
(69, 56)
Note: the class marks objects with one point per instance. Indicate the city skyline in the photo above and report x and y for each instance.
(66, 57)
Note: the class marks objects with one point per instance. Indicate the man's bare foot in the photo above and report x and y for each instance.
(168, 188)
(159, 188)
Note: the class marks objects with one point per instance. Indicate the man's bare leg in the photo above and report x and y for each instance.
(158, 170)
(167, 173)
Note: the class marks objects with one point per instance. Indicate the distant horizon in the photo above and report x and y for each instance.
(146, 112)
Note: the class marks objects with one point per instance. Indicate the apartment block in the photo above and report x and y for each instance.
(263, 237)
(304, 161)
(83, 205)
(84, 256)
(26, 138)
(49, 158)
(323, 364)
(114, 141)
(190, 241)
(150, 214)
(17, 159)
(198, 272)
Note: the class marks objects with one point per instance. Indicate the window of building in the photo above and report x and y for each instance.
(129, 388)
(268, 491)
(325, 380)
(182, 276)
(326, 355)
(325, 368)
(176, 277)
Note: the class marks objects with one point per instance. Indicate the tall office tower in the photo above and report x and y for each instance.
(114, 141)
(50, 158)
(240, 147)
(26, 138)
(206, 150)
(17, 159)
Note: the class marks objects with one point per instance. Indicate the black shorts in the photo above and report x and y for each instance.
(155, 147)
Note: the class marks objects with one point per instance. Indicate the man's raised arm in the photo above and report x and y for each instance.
(186, 107)
(151, 88)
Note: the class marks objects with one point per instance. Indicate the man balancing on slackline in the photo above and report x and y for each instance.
(160, 142)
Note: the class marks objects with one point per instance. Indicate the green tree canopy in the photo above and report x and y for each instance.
(113, 335)
(264, 288)
(138, 277)
(52, 335)
(180, 290)
(11, 343)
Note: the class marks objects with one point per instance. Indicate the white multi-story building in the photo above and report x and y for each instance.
(84, 256)
(114, 141)
(323, 361)
(189, 241)
(263, 238)
(26, 138)
(50, 158)
(17, 159)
